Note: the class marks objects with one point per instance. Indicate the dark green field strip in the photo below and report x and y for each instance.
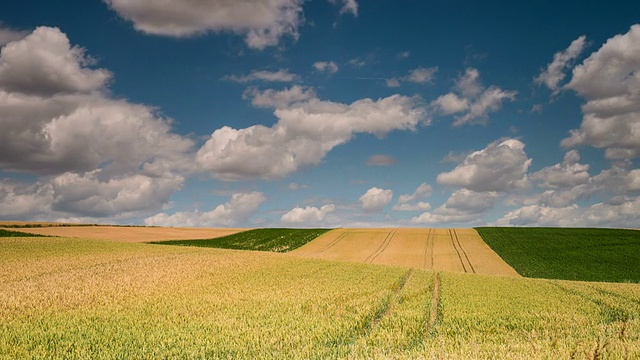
(10, 233)
(608, 255)
(274, 240)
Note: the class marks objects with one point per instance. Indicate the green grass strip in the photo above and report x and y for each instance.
(586, 254)
(274, 240)
(9, 233)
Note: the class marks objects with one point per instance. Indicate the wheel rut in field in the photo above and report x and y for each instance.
(437, 249)
(332, 243)
(382, 247)
(434, 312)
(462, 254)
(428, 251)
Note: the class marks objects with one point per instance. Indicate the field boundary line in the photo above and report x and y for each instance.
(332, 243)
(463, 251)
(382, 247)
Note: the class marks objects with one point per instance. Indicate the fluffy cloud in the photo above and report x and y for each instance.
(609, 79)
(19, 200)
(393, 82)
(569, 173)
(329, 67)
(262, 22)
(621, 214)
(44, 63)
(102, 157)
(281, 75)
(411, 202)
(306, 130)
(381, 160)
(473, 102)
(348, 6)
(555, 71)
(308, 215)
(82, 133)
(462, 206)
(375, 199)
(501, 166)
(90, 195)
(279, 98)
(236, 211)
(8, 35)
(421, 75)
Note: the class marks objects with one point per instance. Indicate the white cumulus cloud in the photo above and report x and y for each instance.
(569, 173)
(501, 166)
(44, 63)
(555, 71)
(236, 211)
(609, 80)
(100, 157)
(421, 75)
(462, 206)
(329, 67)
(262, 22)
(411, 202)
(306, 130)
(282, 75)
(309, 215)
(471, 101)
(375, 199)
(8, 35)
(348, 6)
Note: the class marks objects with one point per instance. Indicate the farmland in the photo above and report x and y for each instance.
(123, 233)
(274, 240)
(459, 250)
(610, 255)
(74, 298)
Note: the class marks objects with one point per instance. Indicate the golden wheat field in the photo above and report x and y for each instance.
(81, 298)
(459, 250)
(131, 233)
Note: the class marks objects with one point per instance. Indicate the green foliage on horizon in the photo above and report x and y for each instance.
(584, 254)
(10, 233)
(274, 240)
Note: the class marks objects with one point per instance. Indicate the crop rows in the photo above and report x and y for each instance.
(77, 299)
(274, 240)
(610, 255)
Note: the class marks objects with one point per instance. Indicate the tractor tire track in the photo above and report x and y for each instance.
(434, 310)
(332, 243)
(381, 248)
(429, 246)
(464, 252)
(453, 242)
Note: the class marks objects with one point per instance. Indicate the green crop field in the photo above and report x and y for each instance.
(11, 233)
(611, 255)
(69, 298)
(274, 240)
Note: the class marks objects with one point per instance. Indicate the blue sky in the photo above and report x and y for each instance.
(325, 113)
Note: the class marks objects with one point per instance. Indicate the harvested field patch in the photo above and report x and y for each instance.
(459, 250)
(131, 234)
